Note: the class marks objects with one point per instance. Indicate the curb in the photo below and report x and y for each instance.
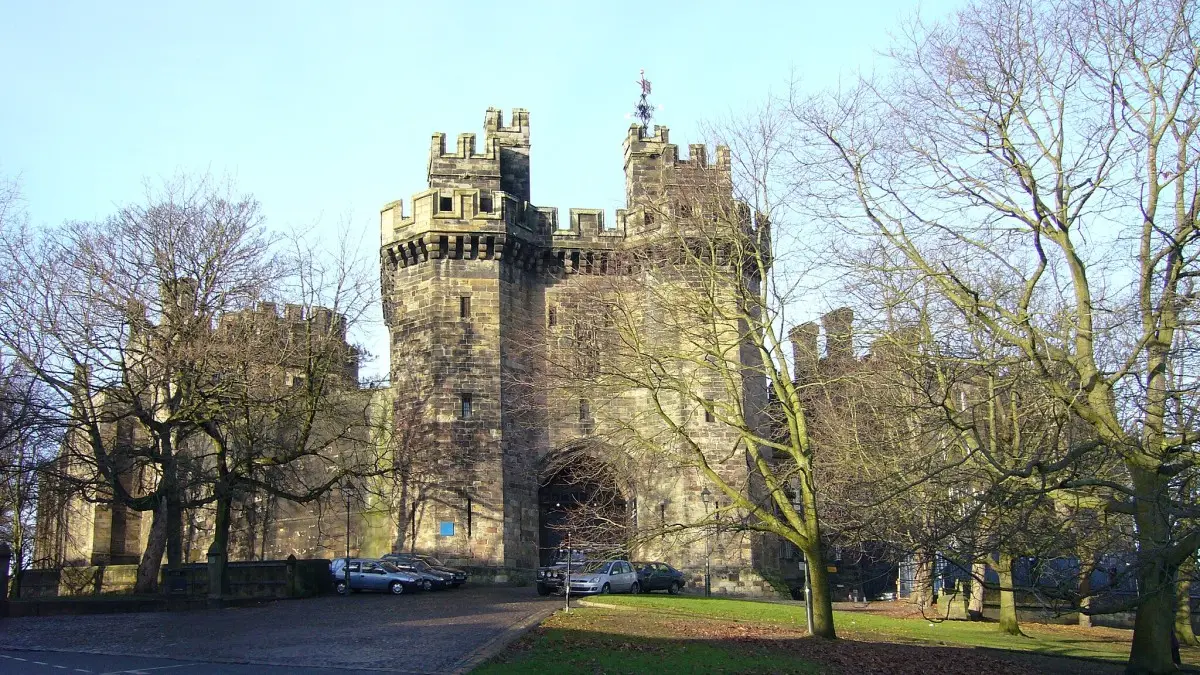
(497, 644)
(604, 605)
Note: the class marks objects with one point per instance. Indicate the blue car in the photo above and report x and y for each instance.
(372, 575)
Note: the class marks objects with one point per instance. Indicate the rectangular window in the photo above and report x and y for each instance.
(464, 306)
(552, 317)
(485, 204)
(708, 413)
(446, 528)
(585, 410)
(446, 204)
(465, 413)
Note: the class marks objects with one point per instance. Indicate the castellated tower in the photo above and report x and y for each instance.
(478, 284)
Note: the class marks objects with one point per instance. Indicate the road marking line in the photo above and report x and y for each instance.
(40, 663)
(18, 658)
(143, 671)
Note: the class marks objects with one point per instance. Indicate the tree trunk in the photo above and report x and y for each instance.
(1183, 603)
(218, 552)
(1085, 591)
(922, 593)
(1008, 599)
(822, 601)
(151, 562)
(978, 573)
(174, 532)
(1155, 619)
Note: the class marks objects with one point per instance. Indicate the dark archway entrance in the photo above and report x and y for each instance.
(582, 500)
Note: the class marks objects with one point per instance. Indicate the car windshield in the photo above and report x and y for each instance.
(433, 561)
(595, 567)
(389, 566)
(421, 566)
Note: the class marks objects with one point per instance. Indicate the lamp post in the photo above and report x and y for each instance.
(706, 497)
(566, 579)
(348, 492)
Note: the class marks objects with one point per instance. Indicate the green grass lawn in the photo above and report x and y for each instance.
(1040, 638)
(671, 634)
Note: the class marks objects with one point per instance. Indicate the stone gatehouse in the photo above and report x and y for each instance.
(477, 284)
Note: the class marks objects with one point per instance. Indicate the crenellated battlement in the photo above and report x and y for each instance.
(657, 178)
(465, 149)
(493, 124)
(481, 190)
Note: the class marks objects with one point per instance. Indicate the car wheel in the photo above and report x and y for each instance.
(427, 585)
(635, 588)
(542, 590)
(396, 588)
(604, 589)
(341, 587)
(674, 589)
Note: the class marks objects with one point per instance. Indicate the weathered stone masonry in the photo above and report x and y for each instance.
(476, 282)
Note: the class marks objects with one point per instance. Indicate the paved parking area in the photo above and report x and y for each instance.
(436, 632)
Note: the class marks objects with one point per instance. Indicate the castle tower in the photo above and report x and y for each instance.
(479, 285)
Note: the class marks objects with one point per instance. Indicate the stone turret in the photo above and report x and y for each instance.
(804, 350)
(659, 184)
(839, 333)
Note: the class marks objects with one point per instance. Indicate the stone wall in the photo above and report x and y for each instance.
(264, 579)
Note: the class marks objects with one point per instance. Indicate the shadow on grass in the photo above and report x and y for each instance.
(606, 649)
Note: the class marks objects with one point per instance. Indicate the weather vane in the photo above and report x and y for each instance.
(643, 111)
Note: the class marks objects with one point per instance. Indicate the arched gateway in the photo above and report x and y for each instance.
(586, 501)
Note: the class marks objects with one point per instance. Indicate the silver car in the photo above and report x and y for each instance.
(609, 576)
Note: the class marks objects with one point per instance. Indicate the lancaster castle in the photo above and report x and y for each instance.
(483, 293)
(496, 312)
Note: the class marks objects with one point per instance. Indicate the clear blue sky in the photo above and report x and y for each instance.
(324, 110)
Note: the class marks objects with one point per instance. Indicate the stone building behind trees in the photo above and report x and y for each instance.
(81, 522)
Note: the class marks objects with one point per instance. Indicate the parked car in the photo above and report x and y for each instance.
(457, 577)
(609, 576)
(372, 575)
(658, 576)
(429, 578)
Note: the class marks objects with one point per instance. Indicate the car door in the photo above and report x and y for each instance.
(662, 576)
(623, 572)
(374, 576)
(355, 574)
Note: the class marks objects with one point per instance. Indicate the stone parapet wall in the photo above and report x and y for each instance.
(266, 579)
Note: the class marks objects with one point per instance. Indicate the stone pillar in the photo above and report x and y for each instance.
(291, 576)
(215, 579)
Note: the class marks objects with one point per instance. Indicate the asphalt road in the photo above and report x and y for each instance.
(435, 632)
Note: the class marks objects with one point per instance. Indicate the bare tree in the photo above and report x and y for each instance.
(115, 318)
(1053, 144)
(294, 423)
(687, 362)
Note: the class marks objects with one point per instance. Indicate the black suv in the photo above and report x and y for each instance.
(550, 578)
(453, 576)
